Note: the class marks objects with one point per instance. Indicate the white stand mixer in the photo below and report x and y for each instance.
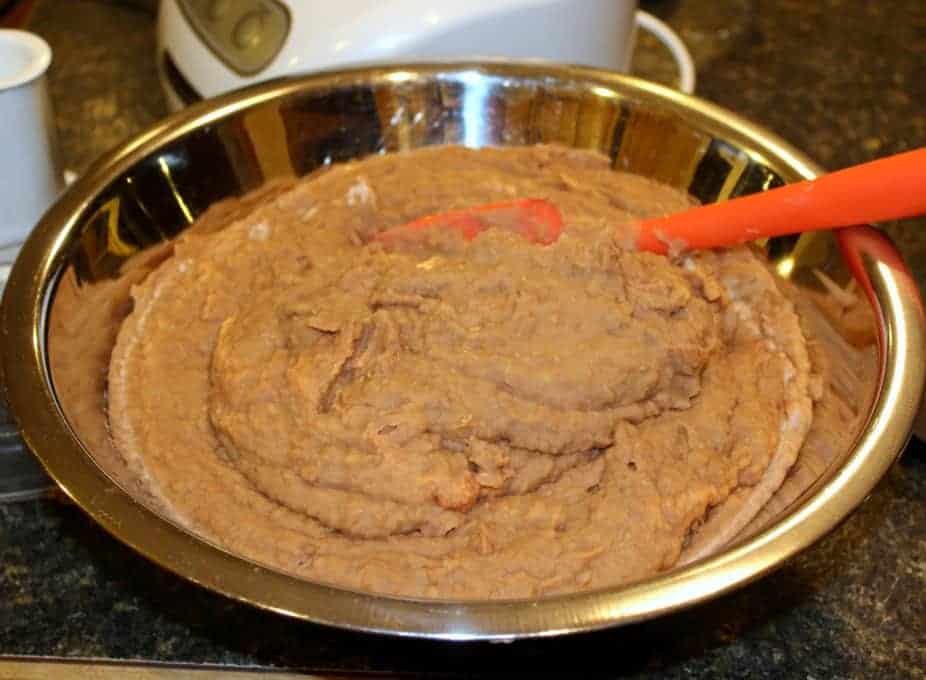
(206, 47)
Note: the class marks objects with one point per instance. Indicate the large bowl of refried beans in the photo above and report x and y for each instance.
(221, 348)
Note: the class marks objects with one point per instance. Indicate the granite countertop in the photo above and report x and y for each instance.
(842, 80)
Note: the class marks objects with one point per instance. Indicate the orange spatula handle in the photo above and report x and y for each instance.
(885, 189)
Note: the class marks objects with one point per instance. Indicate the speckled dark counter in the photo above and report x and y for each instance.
(842, 80)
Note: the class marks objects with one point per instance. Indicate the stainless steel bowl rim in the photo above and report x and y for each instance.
(33, 402)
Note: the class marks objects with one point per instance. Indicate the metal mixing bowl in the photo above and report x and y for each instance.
(58, 317)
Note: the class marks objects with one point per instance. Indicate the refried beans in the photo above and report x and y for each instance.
(464, 419)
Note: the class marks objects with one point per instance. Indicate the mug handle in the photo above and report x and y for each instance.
(669, 38)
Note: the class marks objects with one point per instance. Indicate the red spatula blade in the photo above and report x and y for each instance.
(537, 220)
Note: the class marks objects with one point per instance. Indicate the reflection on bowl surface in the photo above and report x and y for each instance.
(72, 286)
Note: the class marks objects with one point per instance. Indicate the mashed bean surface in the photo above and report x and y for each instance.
(485, 419)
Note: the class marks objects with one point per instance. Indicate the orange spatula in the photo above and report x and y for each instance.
(886, 189)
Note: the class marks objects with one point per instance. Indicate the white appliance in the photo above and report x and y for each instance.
(206, 47)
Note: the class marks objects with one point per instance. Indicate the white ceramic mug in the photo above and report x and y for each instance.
(29, 176)
(29, 183)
